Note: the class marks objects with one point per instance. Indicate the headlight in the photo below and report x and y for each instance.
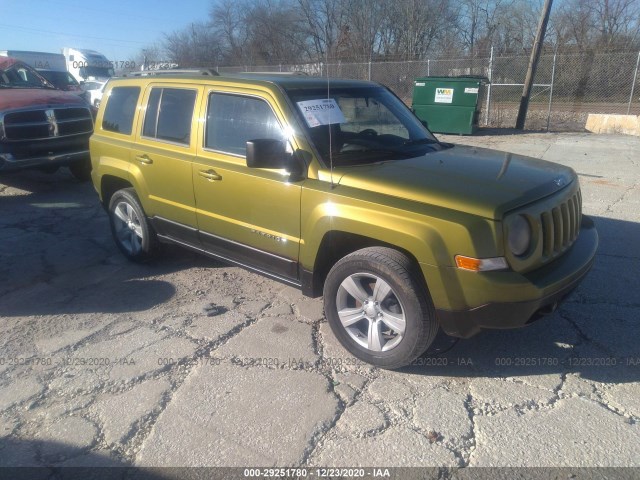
(519, 236)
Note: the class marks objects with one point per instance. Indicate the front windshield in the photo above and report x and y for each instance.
(20, 75)
(97, 72)
(59, 79)
(360, 125)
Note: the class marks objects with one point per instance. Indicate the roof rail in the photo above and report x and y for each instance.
(173, 71)
(295, 72)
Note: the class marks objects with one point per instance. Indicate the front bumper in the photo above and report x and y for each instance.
(514, 300)
(8, 163)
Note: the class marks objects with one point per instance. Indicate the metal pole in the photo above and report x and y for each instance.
(633, 85)
(486, 117)
(553, 76)
(369, 70)
(428, 67)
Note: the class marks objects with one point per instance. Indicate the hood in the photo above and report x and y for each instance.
(469, 179)
(18, 98)
(102, 80)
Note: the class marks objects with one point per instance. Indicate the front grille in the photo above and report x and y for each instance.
(47, 123)
(560, 226)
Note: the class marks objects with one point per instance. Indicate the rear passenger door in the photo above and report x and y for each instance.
(164, 150)
(250, 215)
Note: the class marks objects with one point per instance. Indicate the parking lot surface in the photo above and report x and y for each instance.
(191, 362)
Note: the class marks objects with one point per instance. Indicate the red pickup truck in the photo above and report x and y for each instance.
(40, 126)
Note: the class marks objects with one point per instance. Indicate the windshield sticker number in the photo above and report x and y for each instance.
(321, 112)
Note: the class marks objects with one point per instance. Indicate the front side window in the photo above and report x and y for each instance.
(120, 110)
(232, 120)
(169, 115)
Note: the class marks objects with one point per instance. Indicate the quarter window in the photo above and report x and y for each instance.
(121, 107)
(232, 120)
(169, 115)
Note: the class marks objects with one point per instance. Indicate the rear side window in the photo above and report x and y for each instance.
(121, 107)
(234, 119)
(169, 114)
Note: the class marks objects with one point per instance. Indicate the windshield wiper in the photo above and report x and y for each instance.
(420, 141)
(35, 85)
(373, 151)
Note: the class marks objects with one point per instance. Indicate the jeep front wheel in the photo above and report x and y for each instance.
(378, 307)
(130, 227)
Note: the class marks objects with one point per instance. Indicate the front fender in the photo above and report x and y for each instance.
(432, 235)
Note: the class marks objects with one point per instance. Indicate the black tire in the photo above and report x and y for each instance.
(49, 169)
(406, 297)
(81, 170)
(132, 232)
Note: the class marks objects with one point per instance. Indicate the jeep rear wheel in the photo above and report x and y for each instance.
(130, 227)
(378, 307)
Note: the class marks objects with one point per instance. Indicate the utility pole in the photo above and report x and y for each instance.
(533, 64)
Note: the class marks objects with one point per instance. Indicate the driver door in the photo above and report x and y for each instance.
(248, 215)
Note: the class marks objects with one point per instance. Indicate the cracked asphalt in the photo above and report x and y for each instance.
(190, 362)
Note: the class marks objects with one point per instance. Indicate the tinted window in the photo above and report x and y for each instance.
(59, 79)
(169, 114)
(121, 107)
(233, 119)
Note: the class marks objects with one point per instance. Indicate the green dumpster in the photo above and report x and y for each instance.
(448, 104)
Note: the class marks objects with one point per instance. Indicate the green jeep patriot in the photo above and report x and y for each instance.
(335, 187)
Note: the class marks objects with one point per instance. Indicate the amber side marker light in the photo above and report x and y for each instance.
(480, 264)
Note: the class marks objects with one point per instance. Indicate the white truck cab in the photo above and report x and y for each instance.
(87, 64)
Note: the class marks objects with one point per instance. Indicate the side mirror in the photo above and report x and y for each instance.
(425, 123)
(271, 153)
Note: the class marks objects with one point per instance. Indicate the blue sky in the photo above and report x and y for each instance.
(116, 28)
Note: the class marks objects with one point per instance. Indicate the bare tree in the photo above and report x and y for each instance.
(617, 21)
(479, 23)
(573, 24)
(227, 18)
(195, 45)
(412, 27)
(274, 31)
(324, 23)
(258, 32)
(598, 24)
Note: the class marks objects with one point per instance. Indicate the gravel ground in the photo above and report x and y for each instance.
(190, 362)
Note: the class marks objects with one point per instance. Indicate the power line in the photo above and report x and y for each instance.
(50, 32)
(118, 14)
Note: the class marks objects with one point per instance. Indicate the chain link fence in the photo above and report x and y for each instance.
(567, 87)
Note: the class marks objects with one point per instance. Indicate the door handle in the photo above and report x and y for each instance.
(210, 175)
(144, 159)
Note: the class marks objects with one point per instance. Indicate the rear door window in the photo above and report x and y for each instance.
(169, 114)
(120, 110)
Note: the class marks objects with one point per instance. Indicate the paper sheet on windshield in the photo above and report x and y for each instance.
(321, 112)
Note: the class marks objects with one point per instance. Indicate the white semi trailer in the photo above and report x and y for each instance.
(38, 60)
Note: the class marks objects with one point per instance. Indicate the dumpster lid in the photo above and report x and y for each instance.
(456, 78)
